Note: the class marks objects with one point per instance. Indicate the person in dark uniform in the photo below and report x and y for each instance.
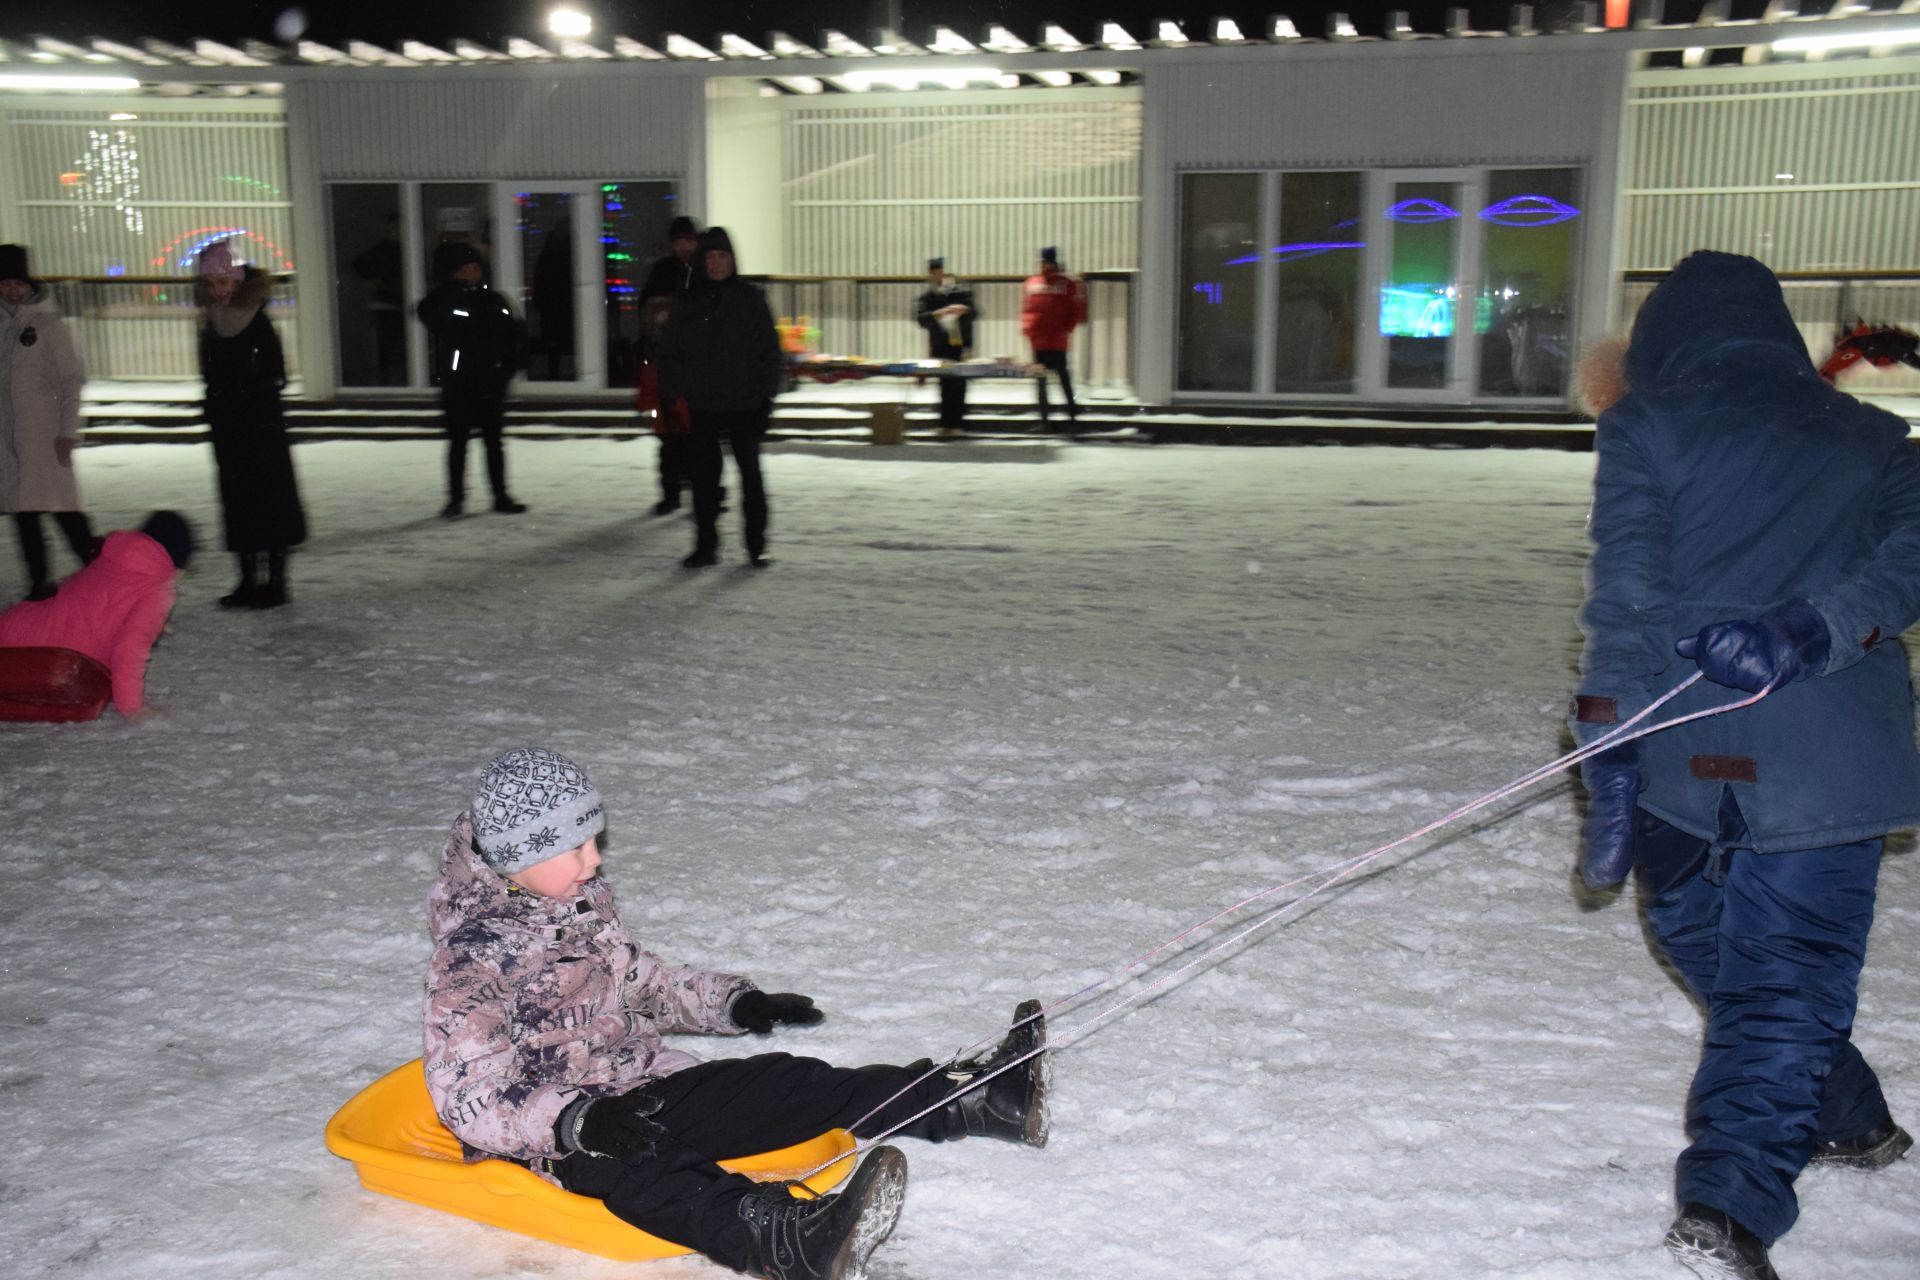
(1753, 525)
(245, 371)
(946, 311)
(667, 281)
(478, 345)
(721, 354)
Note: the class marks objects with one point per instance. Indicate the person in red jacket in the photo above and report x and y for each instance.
(1054, 306)
(113, 609)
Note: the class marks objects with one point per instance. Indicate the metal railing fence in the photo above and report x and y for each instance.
(146, 328)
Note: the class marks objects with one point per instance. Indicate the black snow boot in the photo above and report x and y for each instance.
(829, 1238)
(1013, 1105)
(1875, 1149)
(241, 597)
(273, 593)
(1712, 1244)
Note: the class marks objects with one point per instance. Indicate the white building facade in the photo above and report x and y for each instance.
(1263, 221)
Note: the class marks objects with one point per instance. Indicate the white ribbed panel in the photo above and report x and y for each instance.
(487, 124)
(875, 188)
(1418, 103)
(1708, 155)
(92, 195)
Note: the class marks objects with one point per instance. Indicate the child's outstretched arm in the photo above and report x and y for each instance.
(470, 1064)
(679, 998)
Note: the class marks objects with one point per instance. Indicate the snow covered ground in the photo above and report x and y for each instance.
(1001, 716)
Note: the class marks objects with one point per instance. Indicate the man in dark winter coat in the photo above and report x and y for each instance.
(946, 311)
(478, 345)
(1754, 524)
(667, 282)
(722, 354)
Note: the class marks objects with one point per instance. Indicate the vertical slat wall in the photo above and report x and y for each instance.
(875, 188)
(97, 196)
(139, 196)
(488, 123)
(1817, 169)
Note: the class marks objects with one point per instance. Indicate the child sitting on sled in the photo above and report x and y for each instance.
(544, 1020)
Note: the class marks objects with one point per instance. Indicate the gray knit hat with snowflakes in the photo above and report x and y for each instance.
(532, 805)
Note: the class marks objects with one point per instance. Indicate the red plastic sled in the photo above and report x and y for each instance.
(52, 685)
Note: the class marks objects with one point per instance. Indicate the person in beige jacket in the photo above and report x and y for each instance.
(41, 376)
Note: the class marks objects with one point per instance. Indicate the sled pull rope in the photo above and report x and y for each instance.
(1329, 875)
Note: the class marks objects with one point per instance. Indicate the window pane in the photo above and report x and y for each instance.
(633, 231)
(1318, 296)
(456, 211)
(369, 287)
(1525, 316)
(1417, 300)
(546, 256)
(1219, 262)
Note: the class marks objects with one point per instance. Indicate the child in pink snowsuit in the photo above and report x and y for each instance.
(113, 609)
(543, 1046)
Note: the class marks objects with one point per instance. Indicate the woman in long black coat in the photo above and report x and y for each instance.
(245, 371)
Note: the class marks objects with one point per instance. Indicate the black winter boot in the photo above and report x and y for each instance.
(1875, 1149)
(274, 593)
(829, 1238)
(1013, 1105)
(241, 597)
(1712, 1244)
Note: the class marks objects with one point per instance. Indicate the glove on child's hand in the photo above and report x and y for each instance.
(616, 1128)
(1786, 643)
(756, 1011)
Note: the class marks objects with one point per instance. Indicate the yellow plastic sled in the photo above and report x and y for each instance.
(400, 1148)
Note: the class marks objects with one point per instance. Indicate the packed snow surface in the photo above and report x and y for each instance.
(1000, 717)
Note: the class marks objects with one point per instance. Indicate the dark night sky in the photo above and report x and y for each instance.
(492, 21)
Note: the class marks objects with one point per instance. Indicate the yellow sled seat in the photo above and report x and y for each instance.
(400, 1148)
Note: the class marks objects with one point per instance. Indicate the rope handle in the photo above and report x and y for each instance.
(1329, 876)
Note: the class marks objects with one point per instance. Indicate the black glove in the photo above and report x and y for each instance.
(1786, 643)
(616, 1128)
(756, 1011)
(1613, 789)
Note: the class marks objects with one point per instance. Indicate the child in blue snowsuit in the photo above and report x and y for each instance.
(1754, 524)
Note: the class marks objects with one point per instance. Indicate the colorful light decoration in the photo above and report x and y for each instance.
(1304, 249)
(1210, 290)
(108, 173)
(201, 237)
(1529, 211)
(1421, 209)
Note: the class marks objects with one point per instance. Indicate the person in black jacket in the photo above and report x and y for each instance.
(721, 354)
(667, 282)
(946, 312)
(477, 348)
(245, 371)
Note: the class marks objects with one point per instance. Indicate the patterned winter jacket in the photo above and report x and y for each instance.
(532, 1001)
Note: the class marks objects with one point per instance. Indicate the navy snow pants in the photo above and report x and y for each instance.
(1772, 945)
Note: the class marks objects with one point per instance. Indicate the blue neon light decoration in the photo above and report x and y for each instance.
(1210, 290)
(1305, 249)
(1529, 211)
(1421, 210)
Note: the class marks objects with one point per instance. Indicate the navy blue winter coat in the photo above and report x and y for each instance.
(1729, 479)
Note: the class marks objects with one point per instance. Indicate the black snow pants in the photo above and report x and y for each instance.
(33, 540)
(468, 408)
(1057, 362)
(741, 432)
(736, 1107)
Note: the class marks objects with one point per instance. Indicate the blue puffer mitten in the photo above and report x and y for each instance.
(1613, 786)
(1786, 643)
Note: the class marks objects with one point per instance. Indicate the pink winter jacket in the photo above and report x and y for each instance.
(112, 611)
(532, 1001)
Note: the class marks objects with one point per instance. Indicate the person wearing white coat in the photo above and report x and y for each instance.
(41, 376)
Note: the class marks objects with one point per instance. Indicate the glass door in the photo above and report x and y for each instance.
(548, 267)
(1424, 264)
